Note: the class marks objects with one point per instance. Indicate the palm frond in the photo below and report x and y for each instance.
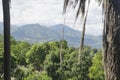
(81, 8)
(75, 3)
(65, 5)
(84, 25)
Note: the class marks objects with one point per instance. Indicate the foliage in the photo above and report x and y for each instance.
(36, 55)
(1, 38)
(70, 69)
(1, 60)
(73, 70)
(38, 76)
(42, 62)
(18, 52)
(21, 72)
(96, 71)
(51, 64)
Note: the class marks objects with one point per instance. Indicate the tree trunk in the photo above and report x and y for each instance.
(83, 34)
(7, 60)
(61, 46)
(111, 39)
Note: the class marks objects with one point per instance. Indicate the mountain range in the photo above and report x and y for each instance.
(36, 33)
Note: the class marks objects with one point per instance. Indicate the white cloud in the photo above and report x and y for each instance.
(50, 12)
(1, 13)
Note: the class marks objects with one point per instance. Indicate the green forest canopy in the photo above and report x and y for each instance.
(42, 62)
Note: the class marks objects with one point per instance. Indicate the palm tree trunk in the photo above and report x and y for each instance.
(111, 39)
(61, 45)
(61, 61)
(7, 61)
(83, 34)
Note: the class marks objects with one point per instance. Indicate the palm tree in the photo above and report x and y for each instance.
(61, 47)
(111, 34)
(81, 9)
(6, 16)
(83, 34)
(61, 44)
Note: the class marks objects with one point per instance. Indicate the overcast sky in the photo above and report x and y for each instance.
(49, 12)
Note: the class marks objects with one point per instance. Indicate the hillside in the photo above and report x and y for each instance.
(36, 33)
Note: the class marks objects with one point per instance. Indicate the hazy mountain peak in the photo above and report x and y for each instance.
(39, 33)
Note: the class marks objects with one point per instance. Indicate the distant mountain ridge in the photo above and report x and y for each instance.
(35, 33)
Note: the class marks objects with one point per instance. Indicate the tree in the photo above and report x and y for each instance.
(7, 61)
(96, 71)
(81, 70)
(1, 60)
(38, 76)
(22, 72)
(18, 52)
(36, 55)
(51, 64)
(83, 34)
(111, 38)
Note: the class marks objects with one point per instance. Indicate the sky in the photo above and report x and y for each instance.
(49, 12)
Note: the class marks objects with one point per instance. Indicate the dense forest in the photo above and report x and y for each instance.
(42, 62)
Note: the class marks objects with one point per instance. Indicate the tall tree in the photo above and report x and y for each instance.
(61, 43)
(81, 9)
(111, 37)
(83, 34)
(7, 60)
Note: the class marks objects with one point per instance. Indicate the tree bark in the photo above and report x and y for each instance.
(7, 60)
(111, 39)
